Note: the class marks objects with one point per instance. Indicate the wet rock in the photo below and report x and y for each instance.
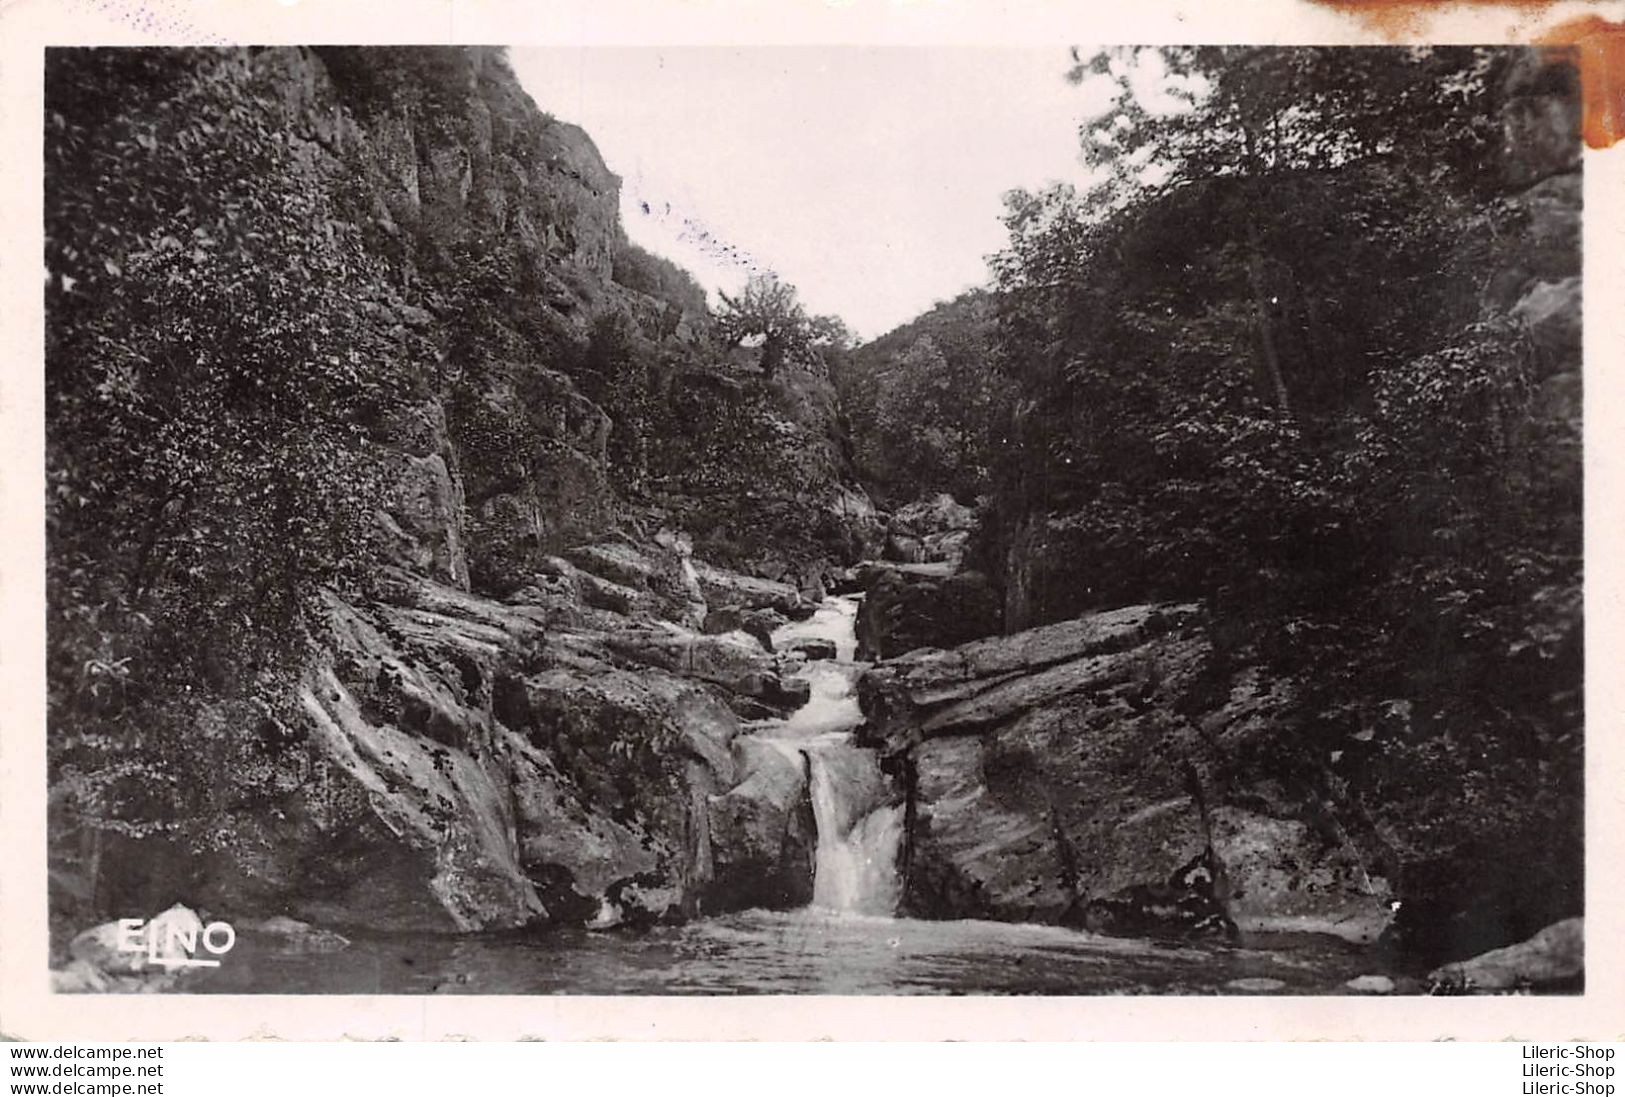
(1188, 904)
(639, 903)
(759, 623)
(815, 649)
(292, 935)
(462, 789)
(571, 855)
(902, 611)
(1287, 877)
(732, 660)
(458, 787)
(974, 852)
(852, 580)
(728, 588)
(763, 836)
(607, 917)
(1370, 984)
(1553, 958)
(79, 977)
(788, 694)
(426, 829)
(661, 571)
(1066, 773)
(119, 950)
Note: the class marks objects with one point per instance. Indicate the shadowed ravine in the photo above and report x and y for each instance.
(431, 567)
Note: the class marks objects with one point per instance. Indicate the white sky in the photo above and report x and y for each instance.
(869, 177)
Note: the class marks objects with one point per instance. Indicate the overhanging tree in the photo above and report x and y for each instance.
(768, 309)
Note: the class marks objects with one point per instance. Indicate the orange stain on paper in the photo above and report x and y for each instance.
(1399, 19)
(1599, 48)
(1598, 45)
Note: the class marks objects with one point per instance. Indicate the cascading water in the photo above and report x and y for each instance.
(860, 830)
(856, 867)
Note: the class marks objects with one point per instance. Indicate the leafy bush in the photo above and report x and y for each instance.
(215, 374)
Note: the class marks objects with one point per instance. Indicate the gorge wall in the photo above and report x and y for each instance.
(496, 703)
(1353, 708)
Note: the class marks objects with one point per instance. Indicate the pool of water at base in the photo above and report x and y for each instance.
(800, 952)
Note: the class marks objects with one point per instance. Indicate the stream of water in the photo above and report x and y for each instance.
(860, 826)
(846, 942)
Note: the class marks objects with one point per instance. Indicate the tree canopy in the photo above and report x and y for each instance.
(769, 309)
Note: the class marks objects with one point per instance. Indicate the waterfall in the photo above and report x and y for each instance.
(860, 828)
(856, 867)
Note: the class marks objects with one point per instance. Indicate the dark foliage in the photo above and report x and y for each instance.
(1256, 367)
(214, 384)
(923, 403)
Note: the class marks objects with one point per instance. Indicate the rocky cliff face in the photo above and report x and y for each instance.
(463, 763)
(1307, 792)
(1535, 281)
(523, 721)
(1069, 773)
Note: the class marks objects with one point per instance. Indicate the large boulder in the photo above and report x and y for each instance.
(167, 939)
(933, 530)
(661, 570)
(758, 623)
(815, 649)
(908, 608)
(763, 836)
(733, 660)
(144, 959)
(572, 855)
(854, 525)
(463, 764)
(415, 836)
(1552, 959)
(1546, 243)
(1080, 773)
(1190, 903)
(722, 587)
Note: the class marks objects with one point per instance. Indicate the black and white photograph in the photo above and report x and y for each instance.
(1057, 520)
